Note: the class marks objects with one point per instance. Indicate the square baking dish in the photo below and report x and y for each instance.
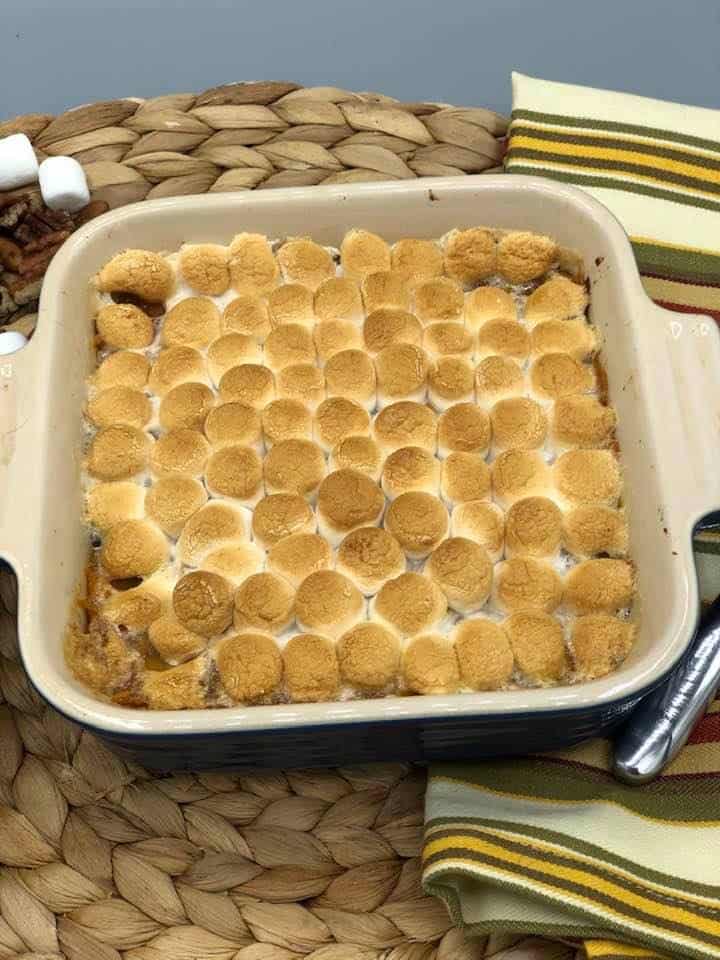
(662, 371)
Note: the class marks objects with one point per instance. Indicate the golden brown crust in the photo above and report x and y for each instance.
(533, 528)
(523, 256)
(181, 688)
(410, 468)
(172, 500)
(234, 471)
(357, 453)
(124, 326)
(599, 586)
(287, 345)
(311, 668)
(291, 303)
(418, 521)
(588, 476)
(518, 423)
(279, 515)
(233, 422)
(593, 528)
(235, 561)
(482, 522)
(369, 657)
(450, 380)
(204, 267)
(186, 406)
(175, 365)
(439, 299)
(556, 299)
(362, 253)
(402, 370)
(250, 383)
(193, 322)
(526, 584)
(464, 427)
(386, 288)
(463, 571)
(447, 339)
(417, 259)
(537, 642)
(498, 377)
(488, 303)
(304, 261)
(599, 644)
(430, 665)
(338, 299)
(387, 326)
(252, 266)
(329, 602)
(231, 350)
(209, 527)
(108, 503)
(333, 336)
(406, 424)
(303, 382)
(141, 272)
(174, 642)
(133, 548)
(582, 421)
(411, 603)
(122, 369)
(348, 499)
(203, 602)
(506, 338)
(297, 556)
(556, 375)
(294, 466)
(248, 314)
(118, 452)
(286, 419)
(250, 667)
(465, 476)
(485, 658)
(519, 473)
(575, 337)
(351, 374)
(119, 405)
(264, 602)
(180, 451)
(369, 556)
(470, 255)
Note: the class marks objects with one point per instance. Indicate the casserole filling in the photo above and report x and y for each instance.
(315, 474)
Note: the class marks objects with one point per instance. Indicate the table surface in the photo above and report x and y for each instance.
(56, 55)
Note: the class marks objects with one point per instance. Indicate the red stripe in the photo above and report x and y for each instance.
(684, 308)
(707, 731)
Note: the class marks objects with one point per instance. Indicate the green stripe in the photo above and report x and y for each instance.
(583, 848)
(610, 183)
(611, 126)
(562, 885)
(618, 166)
(544, 779)
(586, 140)
(678, 263)
(676, 896)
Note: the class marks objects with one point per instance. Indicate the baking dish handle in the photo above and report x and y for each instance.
(20, 394)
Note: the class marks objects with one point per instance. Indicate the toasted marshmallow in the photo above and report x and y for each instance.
(280, 515)
(108, 503)
(410, 468)
(203, 602)
(213, 526)
(337, 418)
(464, 427)
(533, 528)
(291, 303)
(555, 375)
(417, 259)
(406, 424)
(518, 423)
(369, 657)
(357, 453)
(303, 382)
(523, 583)
(264, 602)
(575, 337)
(231, 350)
(418, 521)
(304, 261)
(338, 299)
(488, 303)
(235, 422)
(582, 421)
(386, 288)
(484, 655)
(193, 322)
(519, 473)
(439, 300)
(523, 256)
(599, 586)
(311, 668)
(369, 556)
(362, 253)
(480, 521)
(430, 665)
(284, 420)
(143, 273)
(174, 642)
(176, 365)
(588, 476)
(253, 268)
(288, 345)
(297, 556)
(133, 548)
(347, 499)
(186, 405)
(600, 643)
(593, 528)
(236, 562)
(465, 476)
(204, 267)
(402, 370)
(125, 326)
(387, 326)
(235, 472)
(409, 604)
(536, 640)
(351, 374)
(506, 338)
(328, 602)
(249, 315)
(122, 369)
(180, 688)
(294, 466)
(497, 378)
(470, 255)
(249, 383)
(118, 453)
(119, 405)
(450, 380)
(556, 299)
(172, 500)
(447, 339)
(250, 667)
(180, 451)
(463, 571)
(333, 336)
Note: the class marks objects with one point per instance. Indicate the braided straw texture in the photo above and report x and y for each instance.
(99, 860)
(243, 136)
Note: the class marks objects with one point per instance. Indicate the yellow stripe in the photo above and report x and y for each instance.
(609, 948)
(629, 138)
(675, 246)
(610, 174)
(630, 923)
(579, 876)
(551, 802)
(652, 162)
(686, 294)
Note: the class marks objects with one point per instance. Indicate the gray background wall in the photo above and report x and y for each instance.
(59, 53)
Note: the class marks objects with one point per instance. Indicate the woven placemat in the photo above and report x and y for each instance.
(100, 859)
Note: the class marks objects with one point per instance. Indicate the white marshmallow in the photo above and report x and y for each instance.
(18, 163)
(63, 184)
(11, 340)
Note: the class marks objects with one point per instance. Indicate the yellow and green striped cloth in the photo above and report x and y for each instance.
(553, 845)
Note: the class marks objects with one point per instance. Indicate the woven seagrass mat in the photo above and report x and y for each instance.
(99, 859)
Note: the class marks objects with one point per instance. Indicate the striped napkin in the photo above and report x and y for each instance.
(553, 845)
